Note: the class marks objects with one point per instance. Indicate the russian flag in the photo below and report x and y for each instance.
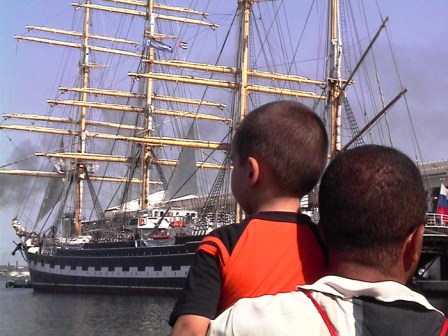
(442, 204)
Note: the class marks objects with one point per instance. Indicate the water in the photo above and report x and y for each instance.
(27, 313)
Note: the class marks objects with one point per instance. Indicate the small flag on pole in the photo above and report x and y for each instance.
(183, 44)
(442, 204)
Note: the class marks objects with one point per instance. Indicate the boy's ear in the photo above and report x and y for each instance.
(253, 170)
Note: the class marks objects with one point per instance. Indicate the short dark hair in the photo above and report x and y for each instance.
(292, 141)
(370, 199)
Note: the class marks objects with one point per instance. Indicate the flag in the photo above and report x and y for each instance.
(160, 45)
(442, 204)
(183, 44)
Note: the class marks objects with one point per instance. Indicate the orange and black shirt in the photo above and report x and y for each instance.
(268, 253)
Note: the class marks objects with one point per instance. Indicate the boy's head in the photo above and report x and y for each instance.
(289, 139)
(371, 199)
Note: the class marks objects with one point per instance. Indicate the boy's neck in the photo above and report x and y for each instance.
(283, 204)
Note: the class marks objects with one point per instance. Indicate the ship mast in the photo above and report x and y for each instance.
(334, 77)
(243, 79)
(245, 6)
(148, 111)
(336, 85)
(80, 167)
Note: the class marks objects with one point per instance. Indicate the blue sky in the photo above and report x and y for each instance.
(419, 33)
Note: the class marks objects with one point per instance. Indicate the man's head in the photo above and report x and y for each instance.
(371, 199)
(289, 139)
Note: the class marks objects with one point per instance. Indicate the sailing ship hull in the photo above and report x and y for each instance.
(122, 269)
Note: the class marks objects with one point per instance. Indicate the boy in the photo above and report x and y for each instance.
(372, 205)
(279, 152)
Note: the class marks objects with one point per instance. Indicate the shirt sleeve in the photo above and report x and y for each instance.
(200, 295)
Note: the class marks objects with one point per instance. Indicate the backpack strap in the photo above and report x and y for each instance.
(444, 328)
(324, 316)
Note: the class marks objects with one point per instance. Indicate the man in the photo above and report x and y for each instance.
(372, 208)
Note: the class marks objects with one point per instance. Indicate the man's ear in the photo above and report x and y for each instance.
(253, 170)
(413, 249)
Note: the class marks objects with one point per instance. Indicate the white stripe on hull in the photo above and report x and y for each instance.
(149, 272)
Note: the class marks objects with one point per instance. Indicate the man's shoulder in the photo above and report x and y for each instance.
(268, 306)
(284, 313)
(274, 301)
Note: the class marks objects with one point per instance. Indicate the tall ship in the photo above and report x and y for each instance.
(132, 166)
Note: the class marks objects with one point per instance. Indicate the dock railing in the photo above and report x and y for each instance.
(436, 220)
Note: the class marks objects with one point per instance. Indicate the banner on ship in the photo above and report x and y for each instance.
(160, 45)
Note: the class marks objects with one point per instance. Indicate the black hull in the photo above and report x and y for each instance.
(114, 268)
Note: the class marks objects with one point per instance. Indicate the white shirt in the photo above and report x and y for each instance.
(294, 313)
